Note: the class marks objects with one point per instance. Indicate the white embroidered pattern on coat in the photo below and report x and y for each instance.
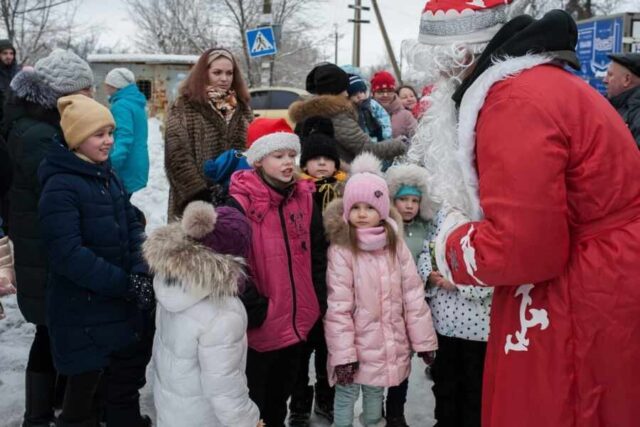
(469, 255)
(539, 317)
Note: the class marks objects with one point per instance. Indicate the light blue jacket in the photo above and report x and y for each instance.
(381, 115)
(130, 156)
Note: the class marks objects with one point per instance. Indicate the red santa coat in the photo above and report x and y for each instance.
(558, 182)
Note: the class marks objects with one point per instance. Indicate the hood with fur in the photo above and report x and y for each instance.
(29, 85)
(337, 230)
(181, 263)
(324, 106)
(413, 176)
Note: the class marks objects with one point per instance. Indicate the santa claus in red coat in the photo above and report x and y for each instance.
(549, 216)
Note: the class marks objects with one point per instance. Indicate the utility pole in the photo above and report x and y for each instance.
(266, 65)
(336, 35)
(387, 43)
(357, 15)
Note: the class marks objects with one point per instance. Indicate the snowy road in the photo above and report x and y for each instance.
(16, 335)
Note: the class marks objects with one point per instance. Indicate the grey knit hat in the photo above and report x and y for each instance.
(65, 72)
(120, 77)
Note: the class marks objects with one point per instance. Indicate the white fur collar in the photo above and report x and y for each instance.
(470, 107)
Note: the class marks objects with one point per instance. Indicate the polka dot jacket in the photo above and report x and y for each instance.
(463, 313)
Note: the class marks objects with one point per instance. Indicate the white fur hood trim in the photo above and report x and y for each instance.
(470, 107)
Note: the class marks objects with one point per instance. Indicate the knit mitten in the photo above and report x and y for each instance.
(141, 290)
(345, 373)
(428, 357)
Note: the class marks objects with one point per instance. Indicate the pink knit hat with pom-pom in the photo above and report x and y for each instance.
(366, 185)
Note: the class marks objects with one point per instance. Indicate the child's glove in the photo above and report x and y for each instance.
(345, 373)
(141, 290)
(428, 357)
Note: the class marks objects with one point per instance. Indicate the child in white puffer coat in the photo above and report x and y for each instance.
(200, 346)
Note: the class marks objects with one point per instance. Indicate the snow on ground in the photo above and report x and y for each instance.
(16, 335)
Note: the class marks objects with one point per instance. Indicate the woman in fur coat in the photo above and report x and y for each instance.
(210, 116)
(200, 348)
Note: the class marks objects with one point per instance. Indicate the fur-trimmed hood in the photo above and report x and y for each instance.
(187, 271)
(323, 105)
(413, 176)
(29, 85)
(337, 230)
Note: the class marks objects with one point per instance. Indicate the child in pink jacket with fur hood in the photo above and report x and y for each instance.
(377, 314)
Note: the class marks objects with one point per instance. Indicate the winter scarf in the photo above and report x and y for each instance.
(222, 102)
(371, 239)
(327, 187)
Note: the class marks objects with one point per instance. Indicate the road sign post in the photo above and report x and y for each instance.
(261, 42)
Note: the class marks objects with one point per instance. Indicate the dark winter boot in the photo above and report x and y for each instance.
(324, 402)
(58, 395)
(92, 422)
(398, 421)
(300, 407)
(39, 390)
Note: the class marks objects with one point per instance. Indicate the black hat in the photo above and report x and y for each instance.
(327, 79)
(6, 44)
(631, 61)
(318, 139)
(555, 34)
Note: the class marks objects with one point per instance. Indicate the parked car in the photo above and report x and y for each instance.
(274, 102)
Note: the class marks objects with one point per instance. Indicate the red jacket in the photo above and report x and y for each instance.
(559, 185)
(280, 258)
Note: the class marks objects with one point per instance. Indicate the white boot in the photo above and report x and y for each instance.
(381, 423)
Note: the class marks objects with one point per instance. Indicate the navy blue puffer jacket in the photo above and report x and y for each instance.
(94, 241)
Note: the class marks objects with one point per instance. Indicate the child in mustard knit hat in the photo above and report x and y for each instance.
(100, 298)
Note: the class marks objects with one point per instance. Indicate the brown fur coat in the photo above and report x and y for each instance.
(196, 133)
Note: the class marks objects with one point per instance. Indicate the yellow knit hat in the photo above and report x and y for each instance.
(80, 117)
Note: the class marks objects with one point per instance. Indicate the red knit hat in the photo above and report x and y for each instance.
(264, 136)
(382, 80)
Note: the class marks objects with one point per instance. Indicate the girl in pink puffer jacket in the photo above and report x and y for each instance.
(377, 314)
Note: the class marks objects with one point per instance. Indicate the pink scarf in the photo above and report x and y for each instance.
(371, 239)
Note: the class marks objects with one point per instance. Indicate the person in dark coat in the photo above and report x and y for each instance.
(99, 296)
(8, 69)
(623, 89)
(31, 123)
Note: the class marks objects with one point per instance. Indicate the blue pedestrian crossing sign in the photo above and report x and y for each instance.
(261, 42)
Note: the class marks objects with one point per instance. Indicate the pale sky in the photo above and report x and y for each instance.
(402, 18)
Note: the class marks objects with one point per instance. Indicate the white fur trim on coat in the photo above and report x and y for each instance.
(267, 144)
(472, 103)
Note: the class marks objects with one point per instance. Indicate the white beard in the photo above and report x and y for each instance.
(435, 143)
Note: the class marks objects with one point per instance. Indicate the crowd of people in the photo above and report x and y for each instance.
(489, 226)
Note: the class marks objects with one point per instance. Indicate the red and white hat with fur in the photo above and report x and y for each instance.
(475, 21)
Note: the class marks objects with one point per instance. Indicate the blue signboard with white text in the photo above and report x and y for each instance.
(597, 39)
(261, 42)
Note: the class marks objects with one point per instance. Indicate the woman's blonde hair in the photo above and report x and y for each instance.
(392, 239)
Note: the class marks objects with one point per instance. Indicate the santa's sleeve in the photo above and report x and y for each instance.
(522, 156)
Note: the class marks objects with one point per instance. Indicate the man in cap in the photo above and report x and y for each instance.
(551, 180)
(623, 83)
(130, 156)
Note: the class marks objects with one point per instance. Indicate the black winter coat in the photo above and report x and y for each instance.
(628, 106)
(94, 241)
(29, 130)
